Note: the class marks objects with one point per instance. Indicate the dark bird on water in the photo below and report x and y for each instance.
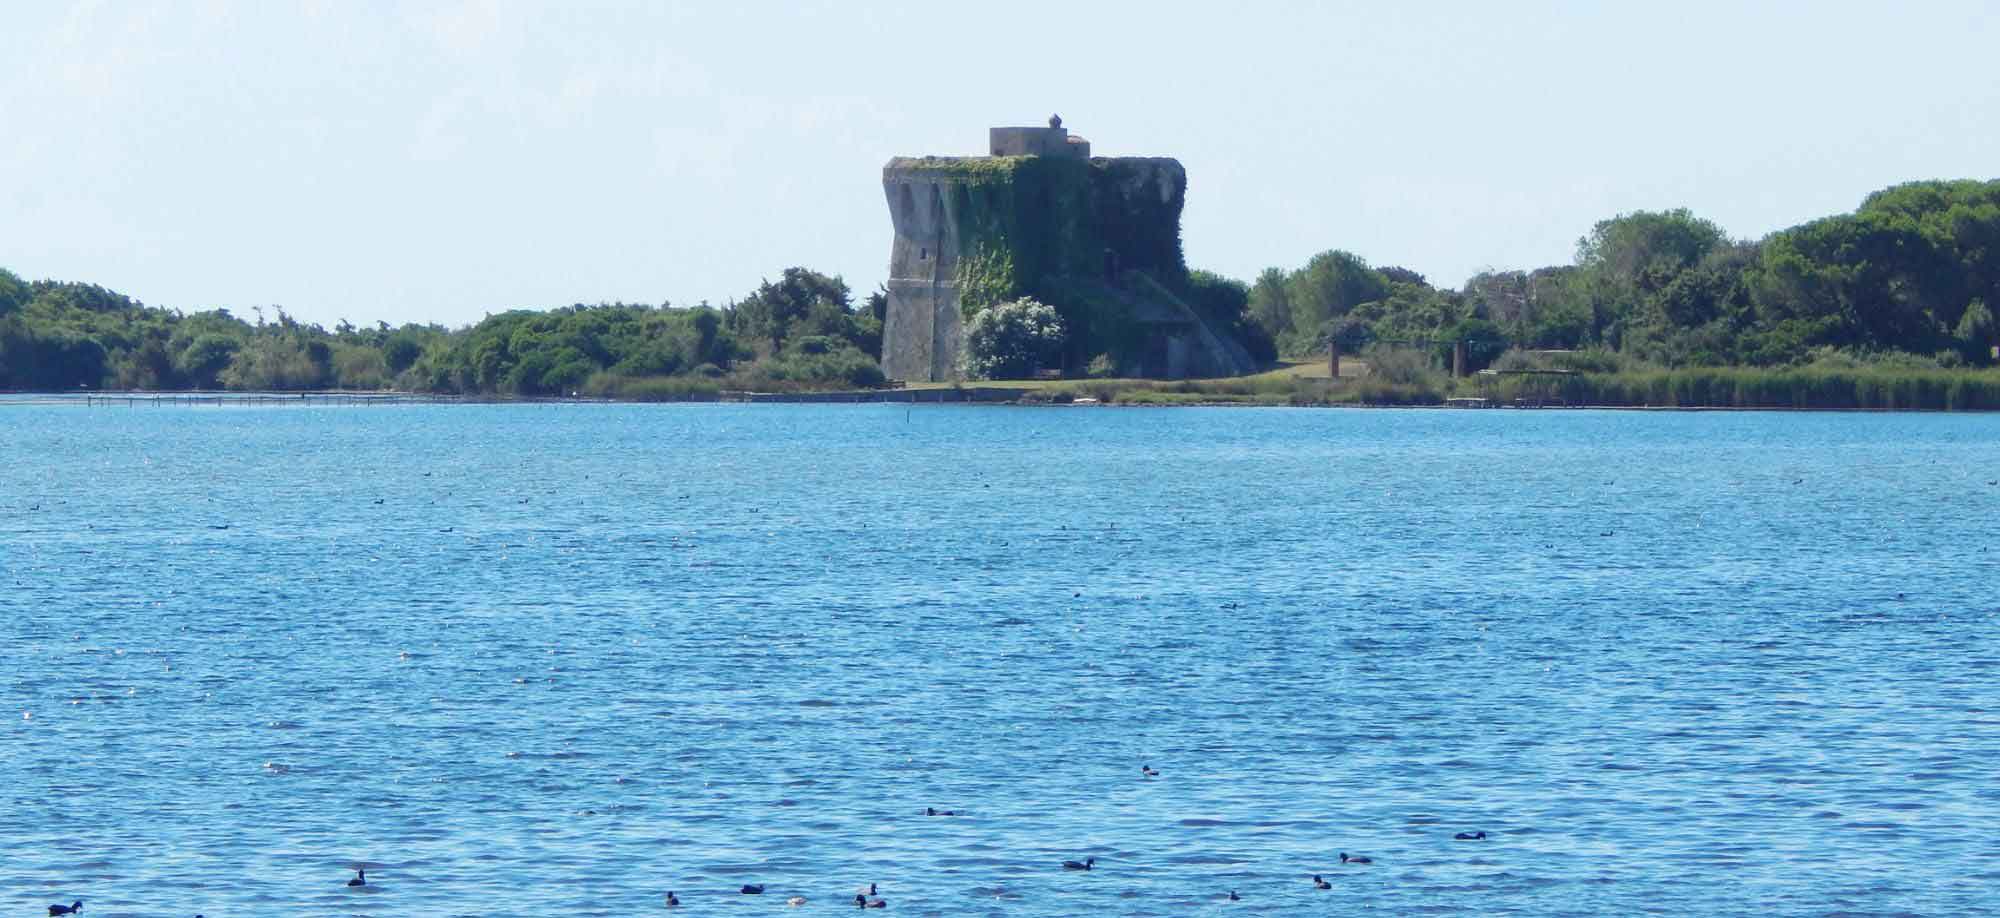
(861, 901)
(753, 890)
(360, 878)
(69, 909)
(1320, 883)
(931, 812)
(1355, 860)
(1148, 771)
(1233, 897)
(1470, 836)
(671, 901)
(1084, 865)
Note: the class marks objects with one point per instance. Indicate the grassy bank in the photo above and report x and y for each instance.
(1814, 387)
(1265, 389)
(1866, 389)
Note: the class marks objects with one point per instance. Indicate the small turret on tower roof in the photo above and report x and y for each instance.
(1053, 140)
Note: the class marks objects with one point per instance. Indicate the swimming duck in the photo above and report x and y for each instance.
(1355, 860)
(1470, 836)
(931, 812)
(1320, 884)
(360, 878)
(796, 901)
(1148, 771)
(1085, 865)
(671, 901)
(866, 892)
(69, 909)
(753, 890)
(1233, 897)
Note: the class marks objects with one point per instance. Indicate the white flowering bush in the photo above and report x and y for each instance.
(1012, 340)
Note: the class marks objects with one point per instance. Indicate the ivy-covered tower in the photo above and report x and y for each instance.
(1097, 238)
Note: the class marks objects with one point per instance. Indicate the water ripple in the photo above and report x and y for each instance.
(573, 659)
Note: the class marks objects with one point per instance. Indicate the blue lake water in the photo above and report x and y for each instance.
(554, 659)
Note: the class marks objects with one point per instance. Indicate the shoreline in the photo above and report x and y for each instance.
(968, 395)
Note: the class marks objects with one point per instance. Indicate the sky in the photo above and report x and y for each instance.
(440, 161)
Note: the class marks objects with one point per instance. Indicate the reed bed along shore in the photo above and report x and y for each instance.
(1741, 388)
(1806, 388)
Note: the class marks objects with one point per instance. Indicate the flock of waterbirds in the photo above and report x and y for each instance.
(869, 897)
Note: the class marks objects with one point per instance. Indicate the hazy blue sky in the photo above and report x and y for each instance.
(438, 161)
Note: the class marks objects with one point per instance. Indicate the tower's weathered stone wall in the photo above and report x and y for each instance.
(921, 332)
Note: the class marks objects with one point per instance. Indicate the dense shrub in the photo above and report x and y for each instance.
(1401, 366)
(651, 388)
(809, 364)
(1012, 340)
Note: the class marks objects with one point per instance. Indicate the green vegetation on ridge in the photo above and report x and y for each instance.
(1886, 307)
(1909, 275)
(802, 331)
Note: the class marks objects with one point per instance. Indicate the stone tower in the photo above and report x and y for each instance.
(1039, 216)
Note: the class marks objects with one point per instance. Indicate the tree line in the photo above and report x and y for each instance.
(803, 330)
(1908, 278)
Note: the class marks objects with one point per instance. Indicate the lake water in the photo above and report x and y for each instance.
(555, 659)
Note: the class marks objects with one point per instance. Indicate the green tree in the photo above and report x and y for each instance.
(14, 292)
(1224, 304)
(1868, 280)
(201, 363)
(401, 350)
(1330, 285)
(1270, 304)
(1626, 260)
(770, 311)
(1629, 249)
